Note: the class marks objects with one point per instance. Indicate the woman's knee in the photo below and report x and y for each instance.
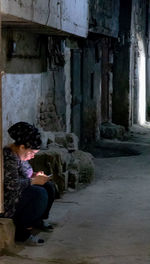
(33, 207)
(50, 187)
(38, 195)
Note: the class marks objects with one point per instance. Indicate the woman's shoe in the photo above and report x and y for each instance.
(34, 241)
(47, 227)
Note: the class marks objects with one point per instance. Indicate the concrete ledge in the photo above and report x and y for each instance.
(7, 233)
(68, 16)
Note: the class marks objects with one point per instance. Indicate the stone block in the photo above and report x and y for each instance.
(53, 160)
(83, 162)
(42, 116)
(47, 138)
(50, 108)
(7, 233)
(111, 131)
(60, 138)
(69, 169)
(67, 140)
(65, 176)
(72, 141)
(65, 157)
(73, 179)
(42, 108)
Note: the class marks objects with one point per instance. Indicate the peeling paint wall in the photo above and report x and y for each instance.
(21, 93)
(104, 17)
(69, 16)
(30, 98)
(53, 109)
(29, 94)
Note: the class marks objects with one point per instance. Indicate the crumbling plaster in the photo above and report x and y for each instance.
(33, 98)
(31, 92)
(21, 93)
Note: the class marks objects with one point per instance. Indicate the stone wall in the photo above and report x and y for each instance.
(31, 99)
(49, 120)
(34, 96)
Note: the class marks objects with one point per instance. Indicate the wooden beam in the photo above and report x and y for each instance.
(1, 150)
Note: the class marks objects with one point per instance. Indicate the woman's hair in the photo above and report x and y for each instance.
(25, 134)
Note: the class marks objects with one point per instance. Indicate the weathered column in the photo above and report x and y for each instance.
(121, 82)
(68, 96)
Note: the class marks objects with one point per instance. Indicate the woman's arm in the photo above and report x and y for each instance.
(13, 180)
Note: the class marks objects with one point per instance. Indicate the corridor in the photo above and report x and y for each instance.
(79, 71)
(108, 222)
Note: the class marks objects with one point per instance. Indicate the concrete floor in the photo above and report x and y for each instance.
(107, 222)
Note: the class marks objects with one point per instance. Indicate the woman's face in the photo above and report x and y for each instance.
(26, 153)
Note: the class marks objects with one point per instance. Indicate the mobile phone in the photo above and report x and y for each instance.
(50, 175)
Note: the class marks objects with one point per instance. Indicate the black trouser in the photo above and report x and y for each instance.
(34, 205)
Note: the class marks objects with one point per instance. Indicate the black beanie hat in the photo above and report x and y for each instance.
(25, 134)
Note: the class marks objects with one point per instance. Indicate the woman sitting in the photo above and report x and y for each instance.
(28, 196)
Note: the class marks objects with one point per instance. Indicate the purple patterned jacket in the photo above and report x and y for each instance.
(17, 175)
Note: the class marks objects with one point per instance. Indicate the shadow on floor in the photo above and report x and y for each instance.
(109, 150)
(137, 142)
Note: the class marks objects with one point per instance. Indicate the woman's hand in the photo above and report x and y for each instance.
(39, 179)
(39, 173)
